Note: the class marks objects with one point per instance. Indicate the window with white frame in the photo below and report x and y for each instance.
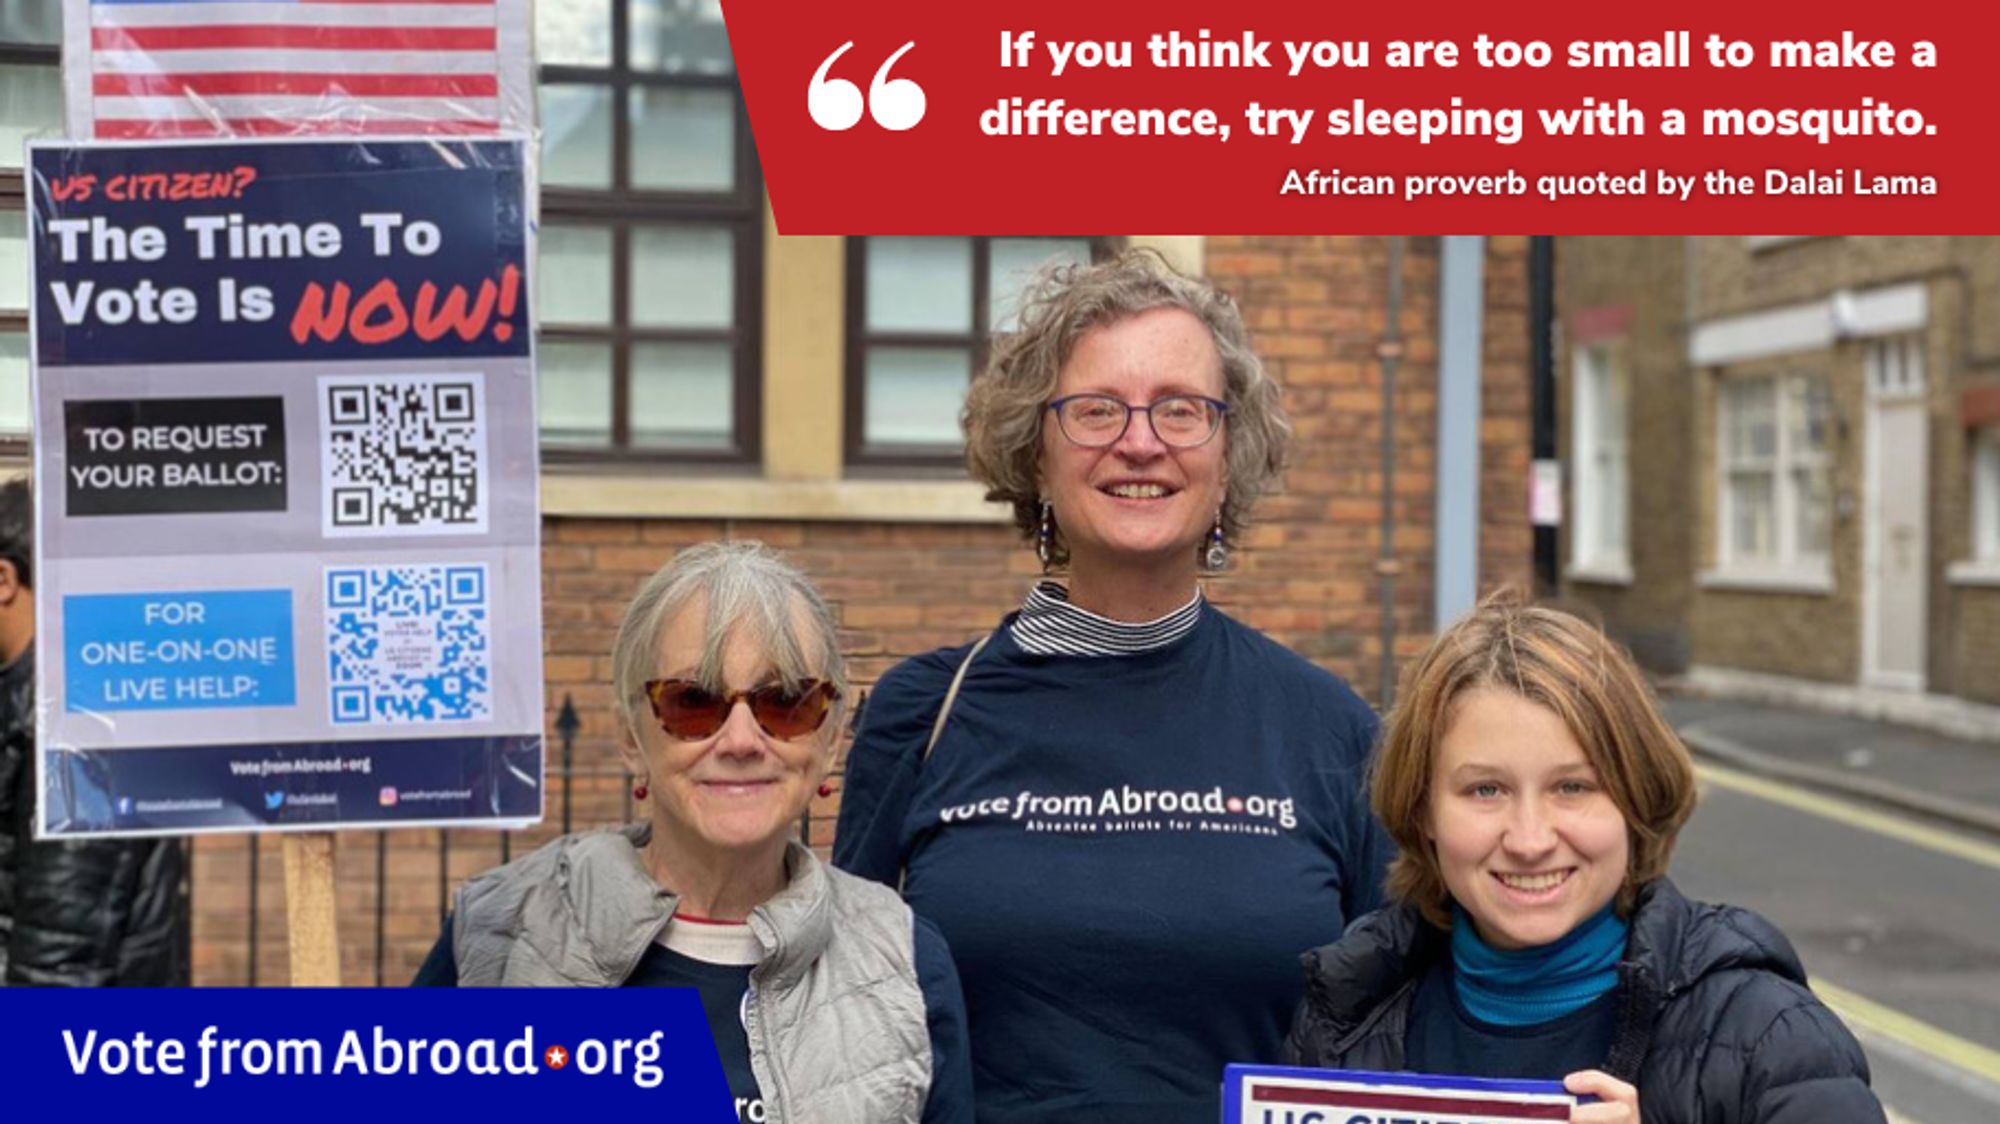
(1600, 539)
(1774, 474)
(1986, 495)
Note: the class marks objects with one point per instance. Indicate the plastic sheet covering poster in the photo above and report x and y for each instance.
(288, 534)
(242, 68)
(1255, 1094)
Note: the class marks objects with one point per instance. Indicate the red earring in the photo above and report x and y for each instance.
(639, 791)
(826, 788)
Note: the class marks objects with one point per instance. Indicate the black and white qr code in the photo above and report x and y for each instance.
(408, 644)
(403, 454)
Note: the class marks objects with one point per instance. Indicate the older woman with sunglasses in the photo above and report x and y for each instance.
(828, 1001)
(1126, 810)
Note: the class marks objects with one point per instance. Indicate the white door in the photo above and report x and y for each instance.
(1896, 601)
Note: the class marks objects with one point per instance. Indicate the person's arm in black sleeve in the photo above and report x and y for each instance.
(950, 1097)
(1808, 1069)
(71, 905)
(882, 768)
(440, 968)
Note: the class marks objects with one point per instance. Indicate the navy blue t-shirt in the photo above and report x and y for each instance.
(721, 987)
(1443, 1037)
(1127, 855)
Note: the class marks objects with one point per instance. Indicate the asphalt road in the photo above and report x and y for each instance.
(1900, 918)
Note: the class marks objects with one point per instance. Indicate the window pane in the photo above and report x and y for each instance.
(1815, 509)
(30, 105)
(1013, 262)
(920, 284)
(682, 395)
(576, 136)
(914, 394)
(1610, 406)
(14, 383)
(576, 392)
(573, 32)
(574, 286)
(683, 276)
(14, 261)
(31, 22)
(1751, 428)
(684, 140)
(1808, 415)
(680, 37)
(1752, 523)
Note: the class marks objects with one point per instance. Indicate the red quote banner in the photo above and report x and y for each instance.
(914, 117)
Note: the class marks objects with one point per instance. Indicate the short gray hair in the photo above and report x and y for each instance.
(1003, 409)
(744, 586)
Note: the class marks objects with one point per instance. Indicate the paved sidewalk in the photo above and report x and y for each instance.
(1914, 770)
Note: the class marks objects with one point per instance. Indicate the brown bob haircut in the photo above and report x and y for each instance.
(1567, 665)
(1005, 405)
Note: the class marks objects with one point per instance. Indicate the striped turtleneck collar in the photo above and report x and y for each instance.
(1048, 625)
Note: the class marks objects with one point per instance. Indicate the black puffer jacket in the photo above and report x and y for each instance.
(78, 913)
(1715, 1025)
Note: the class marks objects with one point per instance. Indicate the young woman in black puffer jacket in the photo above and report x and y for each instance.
(1535, 793)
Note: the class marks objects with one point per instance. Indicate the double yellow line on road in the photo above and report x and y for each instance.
(1858, 1010)
(1890, 1023)
(1853, 815)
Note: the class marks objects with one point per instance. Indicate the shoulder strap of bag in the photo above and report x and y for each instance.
(937, 728)
(951, 696)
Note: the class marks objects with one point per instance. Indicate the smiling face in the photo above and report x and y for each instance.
(739, 789)
(1529, 842)
(1137, 499)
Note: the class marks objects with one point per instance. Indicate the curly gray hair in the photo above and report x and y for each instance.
(1003, 409)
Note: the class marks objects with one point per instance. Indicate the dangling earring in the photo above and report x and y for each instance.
(639, 791)
(1217, 555)
(826, 788)
(1045, 537)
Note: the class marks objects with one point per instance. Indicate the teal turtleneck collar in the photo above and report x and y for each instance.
(1535, 985)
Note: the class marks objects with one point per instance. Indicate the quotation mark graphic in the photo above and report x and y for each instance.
(835, 103)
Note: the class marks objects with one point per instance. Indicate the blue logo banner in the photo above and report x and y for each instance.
(358, 1055)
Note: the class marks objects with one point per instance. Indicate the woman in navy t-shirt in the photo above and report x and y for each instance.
(1136, 810)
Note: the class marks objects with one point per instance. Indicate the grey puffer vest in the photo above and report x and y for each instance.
(836, 1019)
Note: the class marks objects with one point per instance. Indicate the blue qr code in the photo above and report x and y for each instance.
(408, 644)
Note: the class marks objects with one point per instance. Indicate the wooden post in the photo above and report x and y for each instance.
(309, 909)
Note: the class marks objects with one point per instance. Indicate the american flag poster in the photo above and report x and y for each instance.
(1255, 1094)
(244, 68)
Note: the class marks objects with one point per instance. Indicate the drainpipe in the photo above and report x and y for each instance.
(1461, 324)
(1547, 510)
(1389, 352)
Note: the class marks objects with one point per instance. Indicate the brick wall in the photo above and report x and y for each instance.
(1316, 307)
(1978, 638)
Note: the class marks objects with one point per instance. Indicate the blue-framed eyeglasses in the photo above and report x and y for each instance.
(1184, 421)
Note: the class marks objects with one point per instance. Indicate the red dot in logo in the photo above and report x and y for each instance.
(556, 1057)
(1235, 803)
